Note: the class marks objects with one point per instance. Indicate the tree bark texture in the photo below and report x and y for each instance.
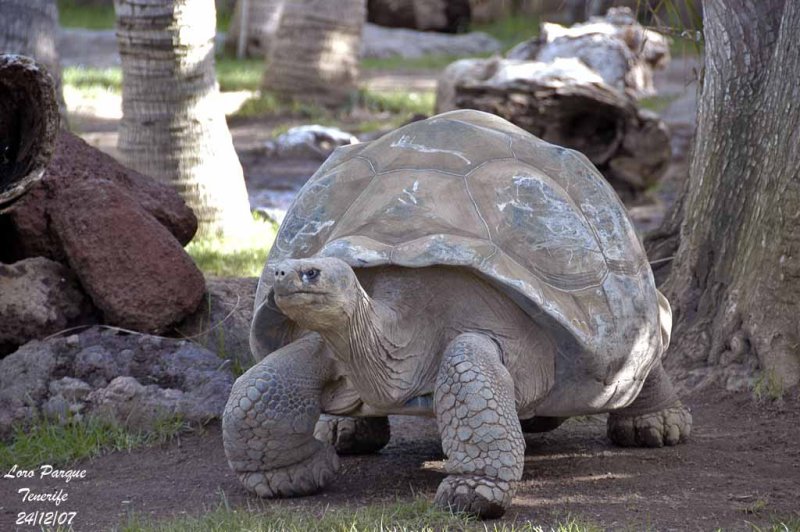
(172, 126)
(735, 282)
(315, 56)
(30, 28)
(263, 18)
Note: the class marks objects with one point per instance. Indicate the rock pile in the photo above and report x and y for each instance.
(134, 379)
(82, 238)
(116, 232)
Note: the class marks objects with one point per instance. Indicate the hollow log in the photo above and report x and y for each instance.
(567, 104)
(29, 121)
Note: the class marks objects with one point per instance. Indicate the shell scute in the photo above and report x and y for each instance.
(447, 146)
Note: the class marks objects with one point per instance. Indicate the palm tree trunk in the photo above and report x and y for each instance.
(316, 51)
(30, 27)
(172, 127)
(263, 17)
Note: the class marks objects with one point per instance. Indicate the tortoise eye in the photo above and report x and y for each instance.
(310, 275)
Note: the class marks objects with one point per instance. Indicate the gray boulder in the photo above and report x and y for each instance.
(380, 42)
(309, 141)
(38, 297)
(135, 380)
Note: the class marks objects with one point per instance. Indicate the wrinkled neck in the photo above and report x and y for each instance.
(370, 327)
(372, 347)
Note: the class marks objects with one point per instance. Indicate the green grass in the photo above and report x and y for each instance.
(100, 17)
(426, 62)
(398, 102)
(791, 524)
(658, 102)
(46, 442)
(239, 74)
(244, 257)
(86, 79)
(395, 108)
(265, 103)
(769, 385)
(512, 30)
(419, 515)
(232, 75)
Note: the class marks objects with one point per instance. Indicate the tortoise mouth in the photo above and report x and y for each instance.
(288, 291)
(299, 297)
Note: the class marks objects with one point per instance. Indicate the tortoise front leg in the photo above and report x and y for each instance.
(268, 423)
(481, 435)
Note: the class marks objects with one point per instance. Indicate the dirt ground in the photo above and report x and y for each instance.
(741, 466)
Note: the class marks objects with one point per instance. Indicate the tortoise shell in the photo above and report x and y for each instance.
(469, 189)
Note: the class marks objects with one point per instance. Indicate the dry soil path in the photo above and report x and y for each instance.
(741, 466)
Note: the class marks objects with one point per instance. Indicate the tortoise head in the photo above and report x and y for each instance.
(317, 293)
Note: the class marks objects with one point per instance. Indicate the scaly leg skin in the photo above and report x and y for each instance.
(354, 435)
(481, 435)
(268, 423)
(655, 419)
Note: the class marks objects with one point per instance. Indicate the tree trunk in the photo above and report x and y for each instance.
(30, 27)
(735, 282)
(172, 127)
(316, 51)
(263, 17)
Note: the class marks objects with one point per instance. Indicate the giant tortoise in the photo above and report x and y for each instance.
(460, 268)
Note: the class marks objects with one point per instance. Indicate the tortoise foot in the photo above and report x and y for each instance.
(486, 498)
(302, 478)
(353, 435)
(669, 426)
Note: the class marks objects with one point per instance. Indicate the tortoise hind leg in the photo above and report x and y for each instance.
(481, 436)
(353, 435)
(654, 419)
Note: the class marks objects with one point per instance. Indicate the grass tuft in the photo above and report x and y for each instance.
(769, 385)
(418, 515)
(242, 257)
(791, 524)
(46, 442)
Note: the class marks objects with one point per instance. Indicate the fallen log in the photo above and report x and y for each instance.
(29, 121)
(567, 104)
